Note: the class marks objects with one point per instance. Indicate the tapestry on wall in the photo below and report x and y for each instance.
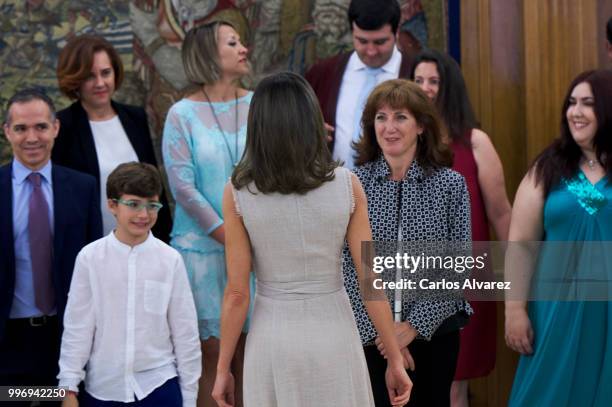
(280, 35)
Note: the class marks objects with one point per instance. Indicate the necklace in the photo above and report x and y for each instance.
(233, 157)
(590, 162)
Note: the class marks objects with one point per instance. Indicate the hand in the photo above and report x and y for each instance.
(405, 335)
(399, 385)
(519, 333)
(329, 129)
(70, 401)
(223, 392)
(408, 360)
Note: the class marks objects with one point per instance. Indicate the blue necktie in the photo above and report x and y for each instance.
(370, 84)
(39, 234)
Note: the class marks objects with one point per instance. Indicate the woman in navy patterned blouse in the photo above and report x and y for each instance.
(413, 196)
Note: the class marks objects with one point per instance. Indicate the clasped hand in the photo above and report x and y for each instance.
(405, 334)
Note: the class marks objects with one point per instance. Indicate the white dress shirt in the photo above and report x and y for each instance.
(113, 147)
(353, 80)
(131, 319)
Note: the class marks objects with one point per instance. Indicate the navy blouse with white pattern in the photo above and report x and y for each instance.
(435, 206)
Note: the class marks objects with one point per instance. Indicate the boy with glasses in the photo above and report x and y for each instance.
(130, 317)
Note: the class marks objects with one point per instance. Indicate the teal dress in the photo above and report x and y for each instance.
(572, 360)
(200, 149)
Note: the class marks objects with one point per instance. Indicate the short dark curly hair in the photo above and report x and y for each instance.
(372, 15)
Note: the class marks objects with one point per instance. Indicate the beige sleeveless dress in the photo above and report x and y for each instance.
(303, 348)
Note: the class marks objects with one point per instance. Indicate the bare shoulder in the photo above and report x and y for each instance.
(484, 152)
(530, 192)
(480, 139)
(228, 192)
(357, 187)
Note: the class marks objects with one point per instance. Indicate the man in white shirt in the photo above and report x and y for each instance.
(343, 82)
(130, 316)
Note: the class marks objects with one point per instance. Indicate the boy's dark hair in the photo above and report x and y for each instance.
(134, 178)
(374, 14)
(27, 95)
(609, 30)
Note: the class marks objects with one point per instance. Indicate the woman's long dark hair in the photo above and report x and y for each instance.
(285, 148)
(562, 158)
(452, 100)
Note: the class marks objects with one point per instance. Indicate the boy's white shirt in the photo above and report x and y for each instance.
(131, 319)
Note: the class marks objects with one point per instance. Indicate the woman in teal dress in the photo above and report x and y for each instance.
(566, 346)
(204, 137)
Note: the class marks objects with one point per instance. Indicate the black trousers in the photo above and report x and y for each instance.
(435, 363)
(29, 354)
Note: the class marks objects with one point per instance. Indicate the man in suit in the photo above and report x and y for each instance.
(343, 82)
(48, 213)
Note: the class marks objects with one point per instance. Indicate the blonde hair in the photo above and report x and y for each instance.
(200, 53)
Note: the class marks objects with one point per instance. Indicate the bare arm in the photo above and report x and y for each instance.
(359, 231)
(492, 184)
(526, 226)
(236, 297)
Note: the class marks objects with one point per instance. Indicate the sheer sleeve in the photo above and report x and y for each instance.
(178, 158)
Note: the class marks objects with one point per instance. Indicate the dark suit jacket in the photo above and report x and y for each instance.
(77, 222)
(325, 77)
(75, 148)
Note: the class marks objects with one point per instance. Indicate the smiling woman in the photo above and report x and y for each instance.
(396, 133)
(97, 134)
(566, 196)
(412, 196)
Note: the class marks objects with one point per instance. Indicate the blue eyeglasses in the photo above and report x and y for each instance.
(138, 206)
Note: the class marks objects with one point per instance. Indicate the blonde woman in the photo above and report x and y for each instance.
(203, 140)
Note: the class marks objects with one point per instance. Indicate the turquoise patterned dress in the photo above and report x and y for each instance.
(572, 360)
(200, 150)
